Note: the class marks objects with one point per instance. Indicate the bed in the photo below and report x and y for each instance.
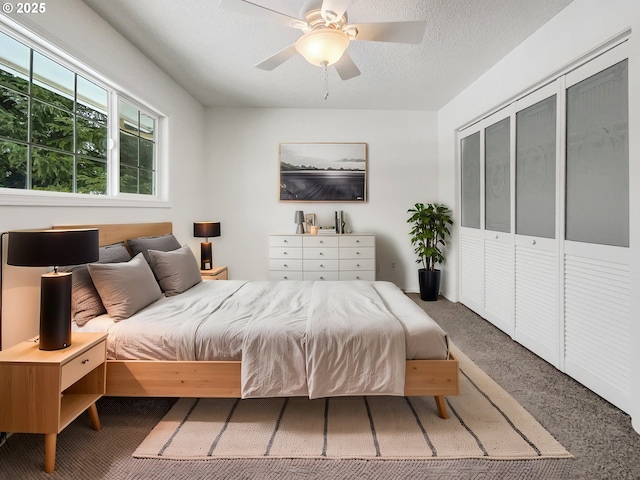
(134, 371)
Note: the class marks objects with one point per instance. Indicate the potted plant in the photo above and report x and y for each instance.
(429, 233)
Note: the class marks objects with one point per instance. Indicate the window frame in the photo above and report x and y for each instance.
(112, 198)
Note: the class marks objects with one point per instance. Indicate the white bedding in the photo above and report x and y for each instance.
(294, 338)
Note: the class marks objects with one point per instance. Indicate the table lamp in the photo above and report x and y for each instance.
(46, 248)
(206, 229)
(299, 219)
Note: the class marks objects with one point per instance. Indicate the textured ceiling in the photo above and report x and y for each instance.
(212, 52)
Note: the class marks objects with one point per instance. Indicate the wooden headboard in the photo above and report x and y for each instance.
(110, 233)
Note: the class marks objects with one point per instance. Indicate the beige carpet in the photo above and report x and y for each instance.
(485, 422)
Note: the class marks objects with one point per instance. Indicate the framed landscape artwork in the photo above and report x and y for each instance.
(323, 172)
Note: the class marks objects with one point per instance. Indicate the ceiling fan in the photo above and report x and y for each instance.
(327, 33)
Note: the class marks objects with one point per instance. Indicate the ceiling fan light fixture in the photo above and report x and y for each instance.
(326, 45)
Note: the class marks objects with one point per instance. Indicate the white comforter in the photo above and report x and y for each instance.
(315, 339)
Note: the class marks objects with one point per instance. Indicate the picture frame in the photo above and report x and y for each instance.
(323, 172)
(309, 221)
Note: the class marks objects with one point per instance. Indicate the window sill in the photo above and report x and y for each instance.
(57, 199)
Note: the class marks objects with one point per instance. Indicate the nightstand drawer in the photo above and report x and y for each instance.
(81, 365)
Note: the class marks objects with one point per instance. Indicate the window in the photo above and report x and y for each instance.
(137, 150)
(55, 129)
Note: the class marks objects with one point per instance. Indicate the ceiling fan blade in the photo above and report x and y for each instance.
(333, 10)
(346, 68)
(397, 32)
(278, 59)
(263, 13)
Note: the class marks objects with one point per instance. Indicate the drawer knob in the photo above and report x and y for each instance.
(321, 266)
(321, 278)
(321, 241)
(321, 253)
(357, 277)
(285, 265)
(357, 253)
(285, 253)
(357, 265)
(286, 278)
(357, 241)
(285, 241)
(496, 237)
(533, 242)
(85, 361)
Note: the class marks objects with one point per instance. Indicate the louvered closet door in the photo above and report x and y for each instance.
(471, 235)
(498, 236)
(537, 319)
(597, 320)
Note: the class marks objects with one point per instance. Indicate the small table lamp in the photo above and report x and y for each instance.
(206, 229)
(299, 219)
(45, 248)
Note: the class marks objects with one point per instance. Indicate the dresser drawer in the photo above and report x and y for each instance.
(318, 276)
(357, 241)
(319, 253)
(319, 241)
(285, 240)
(81, 365)
(285, 252)
(280, 275)
(358, 264)
(284, 264)
(355, 253)
(368, 275)
(320, 265)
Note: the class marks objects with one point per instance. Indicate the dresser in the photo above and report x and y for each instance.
(322, 257)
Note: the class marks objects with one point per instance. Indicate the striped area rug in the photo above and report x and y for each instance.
(484, 422)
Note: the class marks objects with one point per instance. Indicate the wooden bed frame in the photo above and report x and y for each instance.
(221, 379)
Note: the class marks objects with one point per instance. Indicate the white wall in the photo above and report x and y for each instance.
(76, 29)
(579, 28)
(242, 173)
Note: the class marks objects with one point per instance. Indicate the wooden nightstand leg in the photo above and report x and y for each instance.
(50, 452)
(93, 415)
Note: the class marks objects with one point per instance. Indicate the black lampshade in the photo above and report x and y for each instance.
(206, 229)
(44, 248)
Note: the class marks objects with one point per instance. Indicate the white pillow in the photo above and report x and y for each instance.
(176, 271)
(126, 287)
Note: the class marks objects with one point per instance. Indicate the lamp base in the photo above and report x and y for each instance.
(300, 228)
(206, 257)
(55, 311)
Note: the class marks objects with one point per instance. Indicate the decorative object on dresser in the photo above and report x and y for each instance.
(45, 248)
(206, 230)
(310, 221)
(43, 392)
(323, 172)
(430, 230)
(299, 219)
(321, 257)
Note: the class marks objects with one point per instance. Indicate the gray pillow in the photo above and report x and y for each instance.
(176, 271)
(164, 243)
(125, 288)
(85, 301)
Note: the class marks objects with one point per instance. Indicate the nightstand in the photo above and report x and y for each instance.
(44, 391)
(216, 273)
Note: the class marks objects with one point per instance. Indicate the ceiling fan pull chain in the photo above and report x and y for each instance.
(326, 80)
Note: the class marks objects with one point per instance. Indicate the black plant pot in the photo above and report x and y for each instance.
(429, 284)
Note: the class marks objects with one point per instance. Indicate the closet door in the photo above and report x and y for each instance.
(498, 236)
(597, 320)
(471, 235)
(537, 286)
